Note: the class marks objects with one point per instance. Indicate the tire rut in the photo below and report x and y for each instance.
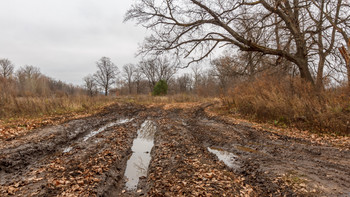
(269, 159)
(268, 164)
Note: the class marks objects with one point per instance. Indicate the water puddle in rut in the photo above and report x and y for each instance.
(93, 133)
(68, 149)
(228, 158)
(137, 165)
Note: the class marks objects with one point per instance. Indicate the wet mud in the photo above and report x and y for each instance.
(134, 150)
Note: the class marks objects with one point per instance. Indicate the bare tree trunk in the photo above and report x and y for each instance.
(319, 79)
(106, 91)
(137, 88)
(348, 67)
(304, 70)
(346, 55)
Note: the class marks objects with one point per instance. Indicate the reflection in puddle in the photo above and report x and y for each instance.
(138, 162)
(93, 133)
(228, 158)
(68, 149)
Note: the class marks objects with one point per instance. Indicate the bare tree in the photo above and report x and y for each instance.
(336, 16)
(129, 71)
(28, 78)
(195, 28)
(324, 13)
(137, 80)
(6, 68)
(225, 70)
(166, 69)
(30, 72)
(184, 82)
(197, 72)
(156, 70)
(90, 85)
(106, 74)
(149, 69)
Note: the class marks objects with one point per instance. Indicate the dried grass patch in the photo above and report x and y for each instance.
(292, 102)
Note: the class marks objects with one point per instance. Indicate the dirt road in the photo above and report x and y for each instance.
(171, 152)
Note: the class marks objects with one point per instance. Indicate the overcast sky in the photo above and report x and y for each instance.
(64, 38)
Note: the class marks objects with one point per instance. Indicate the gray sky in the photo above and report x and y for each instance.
(64, 38)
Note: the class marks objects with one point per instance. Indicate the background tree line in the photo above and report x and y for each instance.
(27, 93)
(28, 81)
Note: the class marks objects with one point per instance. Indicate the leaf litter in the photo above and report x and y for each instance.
(270, 163)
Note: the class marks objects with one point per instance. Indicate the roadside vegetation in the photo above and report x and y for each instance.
(33, 107)
(288, 102)
(161, 88)
(30, 99)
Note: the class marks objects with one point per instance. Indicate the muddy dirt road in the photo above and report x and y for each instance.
(132, 150)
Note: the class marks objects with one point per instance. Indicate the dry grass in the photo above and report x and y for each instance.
(287, 102)
(161, 100)
(32, 107)
(22, 114)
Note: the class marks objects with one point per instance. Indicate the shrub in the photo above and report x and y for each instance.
(161, 88)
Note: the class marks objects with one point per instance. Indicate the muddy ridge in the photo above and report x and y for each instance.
(134, 150)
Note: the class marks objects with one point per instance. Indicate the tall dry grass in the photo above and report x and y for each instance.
(14, 107)
(169, 99)
(286, 101)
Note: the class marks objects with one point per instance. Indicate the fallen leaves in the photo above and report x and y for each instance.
(14, 127)
(342, 142)
(182, 168)
(81, 178)
(181, 165)
(78, 173)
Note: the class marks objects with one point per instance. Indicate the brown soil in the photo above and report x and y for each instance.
(61, 161)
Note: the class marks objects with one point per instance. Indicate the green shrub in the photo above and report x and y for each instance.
(161, 88)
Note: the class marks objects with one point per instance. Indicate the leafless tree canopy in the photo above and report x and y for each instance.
(90, 85)
(28, 78)
(157, 69)
(185, 83)
(296, 30)
(128, 73)
(6, 68)
(106, 74)
(138, 79)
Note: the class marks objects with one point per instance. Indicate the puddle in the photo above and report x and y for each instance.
(184, 123)
(228, 158)
(138, 162)
(93, 133)
(68, 149)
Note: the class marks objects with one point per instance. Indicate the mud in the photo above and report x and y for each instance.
(193, 155)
